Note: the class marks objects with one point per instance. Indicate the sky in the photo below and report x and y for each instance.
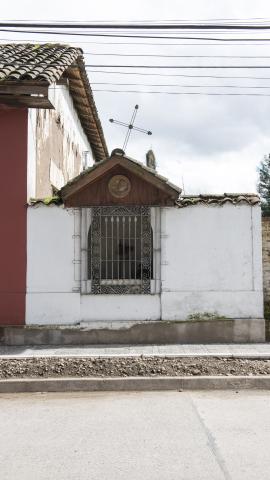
(204, 144)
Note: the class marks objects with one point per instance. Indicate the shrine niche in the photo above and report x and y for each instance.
(119, 180)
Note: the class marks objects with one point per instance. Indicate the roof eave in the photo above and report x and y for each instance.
(86, 108)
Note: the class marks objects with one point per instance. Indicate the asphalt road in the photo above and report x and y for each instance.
(135, 436)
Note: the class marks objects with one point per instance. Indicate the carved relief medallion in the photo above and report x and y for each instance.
(119, 186)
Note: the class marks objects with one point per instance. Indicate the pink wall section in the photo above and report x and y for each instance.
(13, 198)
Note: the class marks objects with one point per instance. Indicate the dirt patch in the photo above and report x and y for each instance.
(130, 366)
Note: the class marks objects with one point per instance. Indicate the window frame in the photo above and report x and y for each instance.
(87, 286)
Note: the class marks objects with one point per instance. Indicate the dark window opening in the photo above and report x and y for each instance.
(120, 246)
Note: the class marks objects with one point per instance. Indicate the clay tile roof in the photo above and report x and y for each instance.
(48, 63)
(39, 62)
(226, 198)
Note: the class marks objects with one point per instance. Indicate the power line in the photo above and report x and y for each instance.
(183, 44)
(180, 85)
(179, 75)
(163, 37)
(139, 55)
(182, 20)
(185, 93)
(167, 20)
(184, 67)
(136, 26)
(174, 56)
(246, 94)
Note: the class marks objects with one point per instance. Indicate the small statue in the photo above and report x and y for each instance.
(151, 160)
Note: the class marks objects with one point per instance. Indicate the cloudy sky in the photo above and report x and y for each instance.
(208, 143)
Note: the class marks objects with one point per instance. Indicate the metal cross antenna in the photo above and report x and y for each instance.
(130, 126)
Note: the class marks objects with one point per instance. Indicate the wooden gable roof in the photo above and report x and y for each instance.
(119, 180)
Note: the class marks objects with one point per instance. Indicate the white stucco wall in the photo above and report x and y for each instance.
(52, 295)
(210, 263)
(53, 277)
(120, 307)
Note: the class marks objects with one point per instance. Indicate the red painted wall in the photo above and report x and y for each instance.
(13, 214)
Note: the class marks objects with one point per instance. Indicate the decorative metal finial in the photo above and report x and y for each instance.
(130, 126)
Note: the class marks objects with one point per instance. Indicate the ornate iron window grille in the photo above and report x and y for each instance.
(120, 250)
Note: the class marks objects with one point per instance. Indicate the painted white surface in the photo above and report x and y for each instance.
(53, 276)
(49, 308)
(256, 220)
(62, 101)
(51, 284)
(238, 304)
(50, 250)
(31, 153)
(120, 307)
(210, 263)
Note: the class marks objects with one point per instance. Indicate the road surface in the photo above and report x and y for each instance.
(135, 436)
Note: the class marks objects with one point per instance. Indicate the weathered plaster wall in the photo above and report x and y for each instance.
(210, 263)
(13, 196)
(266, 257)
(60, 142)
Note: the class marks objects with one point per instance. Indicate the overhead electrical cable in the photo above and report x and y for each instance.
(233, 67)
(183, 66)
(137, 26)
(174, 56)
(163, 37)
(152, 74)
(181, 85)
(170, 20)
(183, 44)
(107, 90)
(185, 93)
(139, 55)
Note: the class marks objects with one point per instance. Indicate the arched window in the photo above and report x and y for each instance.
(120, 250)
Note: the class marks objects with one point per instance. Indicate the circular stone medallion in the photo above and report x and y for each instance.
(119, 186)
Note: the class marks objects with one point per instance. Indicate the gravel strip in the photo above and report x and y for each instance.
(130, 366)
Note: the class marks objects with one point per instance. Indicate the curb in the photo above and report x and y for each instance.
(129, 384)
(39, 354)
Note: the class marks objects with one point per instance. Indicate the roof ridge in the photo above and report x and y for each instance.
(219, 199)
(141, 164)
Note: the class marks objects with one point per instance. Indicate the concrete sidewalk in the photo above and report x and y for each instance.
(255, 350)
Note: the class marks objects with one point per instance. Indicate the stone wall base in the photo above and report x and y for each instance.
(140, 333)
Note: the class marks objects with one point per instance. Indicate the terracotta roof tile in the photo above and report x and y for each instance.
(226, 198)
(36, 62)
